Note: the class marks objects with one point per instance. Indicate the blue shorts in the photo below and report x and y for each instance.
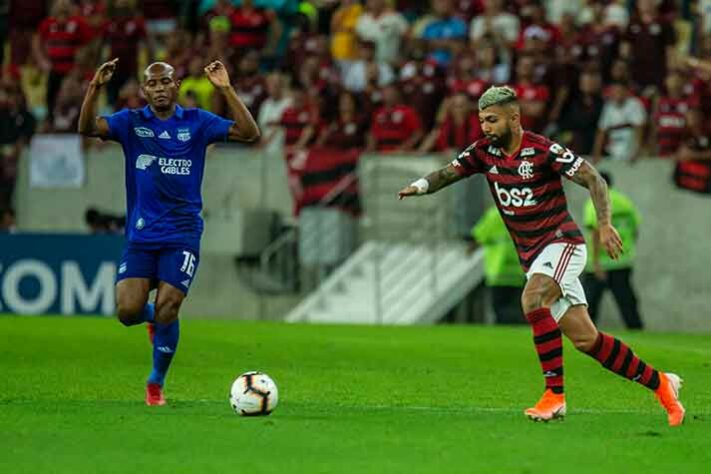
(174, 265)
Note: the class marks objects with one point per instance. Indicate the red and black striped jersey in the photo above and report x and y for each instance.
(670, 120)
(528, 191)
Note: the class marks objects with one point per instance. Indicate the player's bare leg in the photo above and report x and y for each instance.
(539, 294)
(131, 298)
(168, 302)
(617, 357)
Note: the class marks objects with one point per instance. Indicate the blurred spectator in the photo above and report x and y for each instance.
(557, 9)
(423, 86)
(599, 40)
(383, 26)
(605, 273)
(582, 113)
(24, 18)
(317, 75)
(104, 223)
(344, 42)
(130, 96)
(459, 128)
(4, 17)
(219, 40)
(94, 13)
(255, 29)
(693, 168)
(178, 51)
(502, 269)
(123, 33)
(197, 83)
(348, 130)
(161, 16)
(366, 72)
(59, 37)
(272, 108)
(495, 24)
(446, 34)
(249, 85)
(669, 116)
(537, 27)
(395, 127)
(621, 125)
(223, 9)
(473, 74)
(17, 125)
(533, 98)
(300, 120)
(8, 224)
(648, 43)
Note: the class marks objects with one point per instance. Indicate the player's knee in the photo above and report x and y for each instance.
(128, 312)
(167, 310)
(584, 342)
(531, 300)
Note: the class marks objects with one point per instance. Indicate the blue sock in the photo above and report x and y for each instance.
(165, 343)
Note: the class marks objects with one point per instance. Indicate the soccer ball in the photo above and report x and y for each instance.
(254, 394)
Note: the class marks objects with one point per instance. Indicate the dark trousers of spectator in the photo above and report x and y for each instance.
(506, 301)
(113, 87)
(620, 283)
(54, 82)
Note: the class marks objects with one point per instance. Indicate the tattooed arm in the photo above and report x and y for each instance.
(588, 177)
(432, 183)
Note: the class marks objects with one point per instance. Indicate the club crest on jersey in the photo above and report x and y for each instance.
(530, 151)
(143, 132)
(525, 170)
(183, 134)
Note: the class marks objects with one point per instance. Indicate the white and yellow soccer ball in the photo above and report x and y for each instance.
(254, 394)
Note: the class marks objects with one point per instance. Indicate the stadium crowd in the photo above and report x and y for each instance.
(611, 79)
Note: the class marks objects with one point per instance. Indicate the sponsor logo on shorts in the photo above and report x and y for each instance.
(549, 265)
(122, 268)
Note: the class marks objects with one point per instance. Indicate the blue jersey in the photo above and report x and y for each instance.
(165, 160)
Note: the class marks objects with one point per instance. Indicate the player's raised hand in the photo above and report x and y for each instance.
(104, 73)
(407, 191)
(217, 74)
(610, 240)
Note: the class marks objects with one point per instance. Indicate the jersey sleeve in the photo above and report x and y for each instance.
(563, 161)
(119, 125)
(214, 127)
(467, 163)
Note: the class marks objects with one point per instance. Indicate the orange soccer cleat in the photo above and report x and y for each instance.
(154, 395)
(549, 407)
(668, 395)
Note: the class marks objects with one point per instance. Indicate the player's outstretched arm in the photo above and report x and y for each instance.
(588, 177)
(431, 183)
(245, 129)
(89, 124)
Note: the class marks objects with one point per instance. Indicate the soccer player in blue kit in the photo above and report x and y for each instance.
(164, 146)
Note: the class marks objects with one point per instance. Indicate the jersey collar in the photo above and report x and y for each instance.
(148, 113)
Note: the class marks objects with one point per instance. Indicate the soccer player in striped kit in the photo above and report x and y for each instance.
(523, 170)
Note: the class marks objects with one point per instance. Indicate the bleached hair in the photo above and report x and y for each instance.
(497, 95)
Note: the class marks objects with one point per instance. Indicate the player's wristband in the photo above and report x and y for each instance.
(422, 186)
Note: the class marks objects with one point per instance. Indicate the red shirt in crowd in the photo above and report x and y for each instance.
(670, 121)
(250, 27)
(295, 120)
(532, 92)
(460, 136)
(473, 88)
(392, 126)
(62, 40)
(252, 90)
(123, 36)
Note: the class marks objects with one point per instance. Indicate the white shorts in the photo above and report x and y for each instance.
(564, 263)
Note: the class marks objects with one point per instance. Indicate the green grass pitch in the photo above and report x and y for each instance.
(409, 400)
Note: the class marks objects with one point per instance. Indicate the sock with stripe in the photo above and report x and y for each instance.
(549, 346)
(165, 343)
(617, 357)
